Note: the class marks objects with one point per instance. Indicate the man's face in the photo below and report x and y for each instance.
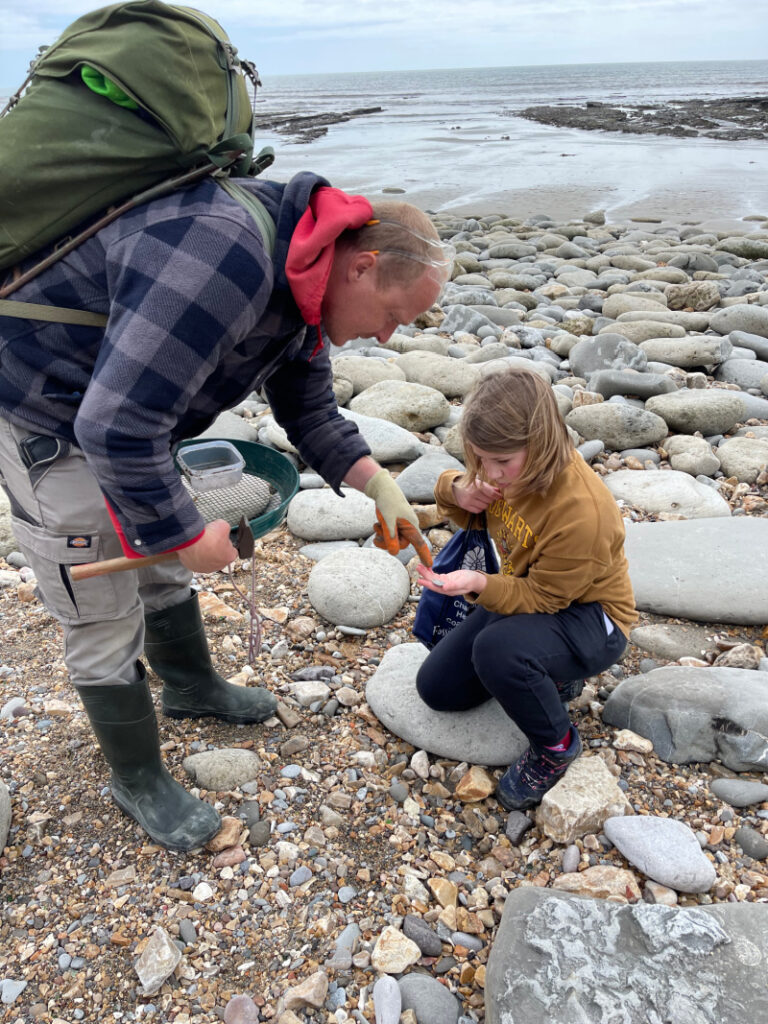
(354, 307)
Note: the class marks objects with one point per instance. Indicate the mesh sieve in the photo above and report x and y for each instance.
(250, 497)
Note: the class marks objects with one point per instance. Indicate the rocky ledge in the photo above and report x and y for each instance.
(307, 127)
(729, 118)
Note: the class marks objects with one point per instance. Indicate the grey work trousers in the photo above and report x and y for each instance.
(59, 519)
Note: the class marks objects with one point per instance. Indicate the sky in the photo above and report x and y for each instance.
(330, 36)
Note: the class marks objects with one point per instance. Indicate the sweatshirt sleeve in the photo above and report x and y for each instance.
(300, 394)
(446, 503)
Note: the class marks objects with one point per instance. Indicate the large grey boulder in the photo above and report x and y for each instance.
(412, 406)
(697, 714)
(360, 587)
(388, 442)
(362, 371)
(743, 316)
(709, 411)
(572, 959)
(673, 491)
(417, 481)
(618, 425)
(707, 570)
(453, 377)
(321, 514)
(605, 352)
(483, 735)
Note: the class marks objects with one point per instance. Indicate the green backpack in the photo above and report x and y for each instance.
(174, 107)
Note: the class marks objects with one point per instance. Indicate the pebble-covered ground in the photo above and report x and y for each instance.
(82, 890)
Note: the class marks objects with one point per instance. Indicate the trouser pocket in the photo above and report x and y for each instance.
(50, 556)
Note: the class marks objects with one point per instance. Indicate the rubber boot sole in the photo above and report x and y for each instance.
(230, 719)
(175, 847)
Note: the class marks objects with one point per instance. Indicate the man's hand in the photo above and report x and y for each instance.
(212, 551)
(477, 496)
(398, 525)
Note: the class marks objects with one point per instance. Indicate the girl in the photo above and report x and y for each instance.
(562, 605)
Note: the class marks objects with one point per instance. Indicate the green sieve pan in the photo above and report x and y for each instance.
(260, 498)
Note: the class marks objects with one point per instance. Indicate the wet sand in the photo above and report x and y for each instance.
(521, 168)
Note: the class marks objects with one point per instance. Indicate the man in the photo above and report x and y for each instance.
(199, 315)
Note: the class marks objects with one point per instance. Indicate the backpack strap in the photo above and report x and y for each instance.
(255, 208)
(51, 314)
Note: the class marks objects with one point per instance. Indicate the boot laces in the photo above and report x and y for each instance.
(539, 767)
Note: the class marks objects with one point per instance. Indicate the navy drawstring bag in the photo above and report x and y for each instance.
(438, 614)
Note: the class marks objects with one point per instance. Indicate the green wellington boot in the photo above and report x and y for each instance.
(177, 650)
(123, 718)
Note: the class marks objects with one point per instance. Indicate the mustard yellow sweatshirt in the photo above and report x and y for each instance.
(563, 547)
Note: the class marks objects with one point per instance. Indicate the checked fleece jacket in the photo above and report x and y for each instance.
(199, 317)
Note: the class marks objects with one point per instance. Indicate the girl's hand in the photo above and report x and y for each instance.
(477, 496)
(462, 581)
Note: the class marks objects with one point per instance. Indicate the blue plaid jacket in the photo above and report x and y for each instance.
(199, 317)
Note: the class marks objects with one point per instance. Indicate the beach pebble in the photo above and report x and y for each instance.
(618, 426)
(663, 849)
(387, 1001)
(223, 769)
(581, 801)
(739, 792)
(431, 1001)
(753, 843)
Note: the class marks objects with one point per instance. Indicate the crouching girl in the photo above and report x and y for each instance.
(560, 608)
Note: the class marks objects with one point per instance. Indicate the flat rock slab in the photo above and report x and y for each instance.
(568, 958)
(708, 570)
(483, 735)
(670, 641)
(697, 714)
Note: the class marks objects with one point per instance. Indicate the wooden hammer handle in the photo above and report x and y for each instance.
(89, 569)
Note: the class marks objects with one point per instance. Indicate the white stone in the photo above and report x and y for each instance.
(670, 492)
(364, 587)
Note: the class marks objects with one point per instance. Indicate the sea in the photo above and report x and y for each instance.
(451, 139)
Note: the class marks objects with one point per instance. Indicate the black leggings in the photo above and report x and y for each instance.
(517, 659)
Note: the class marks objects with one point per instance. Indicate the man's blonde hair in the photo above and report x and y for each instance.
(402, 236)
(507, 412)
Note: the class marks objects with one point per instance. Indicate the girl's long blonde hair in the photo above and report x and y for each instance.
(509, 411)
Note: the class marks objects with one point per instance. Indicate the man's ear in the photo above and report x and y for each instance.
(360, 264)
